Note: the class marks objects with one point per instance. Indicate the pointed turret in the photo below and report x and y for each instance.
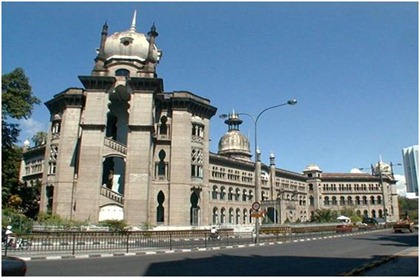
(100, 60)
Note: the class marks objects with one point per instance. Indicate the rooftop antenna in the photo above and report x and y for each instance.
(133, 23)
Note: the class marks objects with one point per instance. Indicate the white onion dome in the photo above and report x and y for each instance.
(129, 45)
(234, 143)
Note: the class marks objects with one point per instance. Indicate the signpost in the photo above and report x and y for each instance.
(257, 214)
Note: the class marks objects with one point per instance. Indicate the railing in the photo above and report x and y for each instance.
(115, 145)
(112, 194)
(71, 243)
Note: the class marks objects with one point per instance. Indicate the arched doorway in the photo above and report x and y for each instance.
(272, 215)
(195, 209)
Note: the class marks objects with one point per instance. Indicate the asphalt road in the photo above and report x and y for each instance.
(321, 257)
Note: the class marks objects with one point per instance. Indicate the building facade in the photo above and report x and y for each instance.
(410, 160)
(122, 148)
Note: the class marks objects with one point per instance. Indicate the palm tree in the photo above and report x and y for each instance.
(324, 216)
(40, 138)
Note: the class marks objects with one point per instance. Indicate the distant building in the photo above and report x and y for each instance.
(122, 148)
(410, 160)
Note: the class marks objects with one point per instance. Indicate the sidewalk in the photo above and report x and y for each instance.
(403, 263)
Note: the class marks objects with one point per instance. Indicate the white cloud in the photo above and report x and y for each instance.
(30, 127)
(356, 171)
(400, 185)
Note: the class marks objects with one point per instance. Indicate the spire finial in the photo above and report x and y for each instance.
(133, 23)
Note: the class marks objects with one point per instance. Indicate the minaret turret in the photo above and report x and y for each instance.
(152, 37)
(100, 60)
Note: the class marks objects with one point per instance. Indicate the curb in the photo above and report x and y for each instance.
(368, 266)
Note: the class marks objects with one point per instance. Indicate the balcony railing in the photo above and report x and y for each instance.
(115, 196)
(115, 145)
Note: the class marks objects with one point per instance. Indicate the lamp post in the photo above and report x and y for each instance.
(257, 155)
(381, 183)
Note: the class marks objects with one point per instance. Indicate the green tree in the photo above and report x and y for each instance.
(324, 216)
(350, 212)
(17, 103)
(408, 206)
(39, 138)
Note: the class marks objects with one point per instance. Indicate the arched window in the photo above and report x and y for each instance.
(245, 216)
(231, 216)
(222, 193)
(214, 193)
(223, 216)
(238, 216)
(161, 163)
(365, 200)
(365, 214)
(215, 216)
(373, 213)
(237, 194)
(160, 210)
(230, 194)
(122, 72)
(244, 195)
(311, 201)
(163, 129)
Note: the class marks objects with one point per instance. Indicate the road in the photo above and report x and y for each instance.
(321, 257)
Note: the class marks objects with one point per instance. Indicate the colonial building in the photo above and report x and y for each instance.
(122, 148)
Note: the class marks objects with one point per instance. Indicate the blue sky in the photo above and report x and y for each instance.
(353, 67)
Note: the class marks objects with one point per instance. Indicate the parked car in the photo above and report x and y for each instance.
(380, 221)
(12, 266)
(374, 221)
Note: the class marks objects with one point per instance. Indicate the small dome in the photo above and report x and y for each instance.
(233, 142)
(312, 167)
(57, 117)
(26, 143)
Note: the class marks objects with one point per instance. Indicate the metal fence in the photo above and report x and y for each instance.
(72, 243)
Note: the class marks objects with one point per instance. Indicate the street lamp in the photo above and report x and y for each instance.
(381, 182)
(257, 169)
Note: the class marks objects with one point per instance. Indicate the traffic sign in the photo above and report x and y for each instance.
(256, 206)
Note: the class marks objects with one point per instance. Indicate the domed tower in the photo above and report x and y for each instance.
(127, 53)
(382, 168)
(234, 144)
(121, 148)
